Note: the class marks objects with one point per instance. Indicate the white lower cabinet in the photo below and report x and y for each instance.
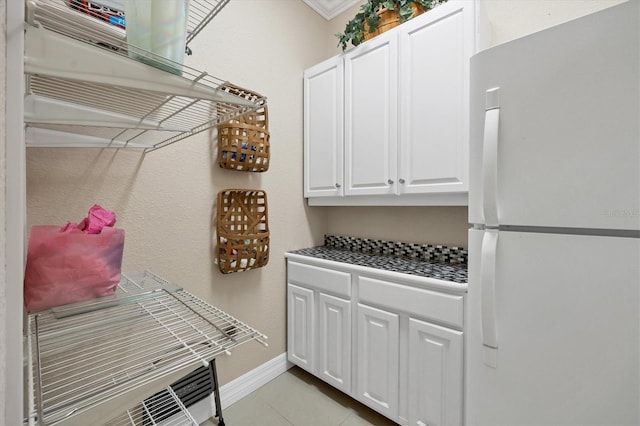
(319, 322)
(435, 382)
(377, 382)
(334, 341)
(395, 346)
(300, 327)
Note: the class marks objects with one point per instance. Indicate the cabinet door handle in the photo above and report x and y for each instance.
(338, 185)
(490, 157)
(401, 180)
(390, 181)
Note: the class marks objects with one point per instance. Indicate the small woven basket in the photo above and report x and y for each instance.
(243, 143)
(389, 18)
(242, 230)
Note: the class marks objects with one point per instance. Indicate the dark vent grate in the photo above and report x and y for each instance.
(190, 389)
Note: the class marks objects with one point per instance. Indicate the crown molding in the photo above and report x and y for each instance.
(329, 9)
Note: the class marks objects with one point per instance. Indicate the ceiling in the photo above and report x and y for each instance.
(329, 9)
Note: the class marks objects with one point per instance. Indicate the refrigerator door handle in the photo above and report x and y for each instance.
(488, 296)
(490, 157)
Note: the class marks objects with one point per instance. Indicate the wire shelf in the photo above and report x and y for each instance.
(58, 14)
(81, 81)
(164, 408)
(91, 359)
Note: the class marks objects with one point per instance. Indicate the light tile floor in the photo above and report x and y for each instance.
(298, 398)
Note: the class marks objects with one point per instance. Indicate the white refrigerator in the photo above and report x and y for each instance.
(554, 268)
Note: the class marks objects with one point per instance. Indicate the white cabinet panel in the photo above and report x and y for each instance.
(437, 306)
(300, 327)
(334, 344)
(322, 279)
(323, 129)
(371, 135)
(434, 73)
(435, 374)
(377, 370)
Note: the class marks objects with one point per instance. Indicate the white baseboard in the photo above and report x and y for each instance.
(237, 389)
(242, 386)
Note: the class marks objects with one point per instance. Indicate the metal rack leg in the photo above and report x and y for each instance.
(216, 391)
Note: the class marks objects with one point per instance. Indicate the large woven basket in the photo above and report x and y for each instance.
(243, 143)
(242, 230)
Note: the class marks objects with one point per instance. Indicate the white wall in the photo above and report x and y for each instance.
(512, 19)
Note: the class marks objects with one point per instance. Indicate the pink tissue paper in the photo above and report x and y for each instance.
(73, 263)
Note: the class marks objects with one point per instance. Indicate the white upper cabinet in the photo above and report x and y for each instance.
(371, 117)
(323, 129)
(406, 107)
(434, 92)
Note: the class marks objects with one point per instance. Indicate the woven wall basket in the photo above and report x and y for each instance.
(243, 143)
(242, 230)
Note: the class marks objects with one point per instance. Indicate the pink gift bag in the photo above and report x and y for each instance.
(71, 266)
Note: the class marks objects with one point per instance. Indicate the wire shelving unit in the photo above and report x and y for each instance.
(91, 360)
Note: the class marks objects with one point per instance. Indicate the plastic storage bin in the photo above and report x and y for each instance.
(157, 32)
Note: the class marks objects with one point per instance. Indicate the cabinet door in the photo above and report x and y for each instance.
(371, 137)
(334, 343)
(434, 71)
(323, 128)
(435, 374)
(300, 327)
(377, 359)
